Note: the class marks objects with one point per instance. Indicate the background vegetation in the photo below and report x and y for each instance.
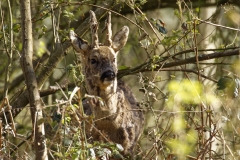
(181, 61)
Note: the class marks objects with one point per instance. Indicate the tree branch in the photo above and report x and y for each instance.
(202, 57)
(191, 71)
(159, 4)
(146, 66)
(54, 89)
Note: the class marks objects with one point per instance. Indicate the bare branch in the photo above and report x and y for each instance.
(54, 89)
(202, 57)
(191, 71)
(146, 66)
(218, 25)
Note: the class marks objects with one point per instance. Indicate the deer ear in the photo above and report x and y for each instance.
(80, 45)
(120, 39)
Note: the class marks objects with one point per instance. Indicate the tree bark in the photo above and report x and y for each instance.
(31, 82)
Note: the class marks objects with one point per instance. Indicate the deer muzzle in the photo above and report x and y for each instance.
(108, 76)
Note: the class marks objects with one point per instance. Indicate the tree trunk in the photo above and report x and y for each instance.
(31, 82)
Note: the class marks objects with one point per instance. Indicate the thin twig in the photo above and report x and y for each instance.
(218, 25)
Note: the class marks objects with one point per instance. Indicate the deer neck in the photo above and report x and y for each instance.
(108, 92)
(105, 92)
(108, 95)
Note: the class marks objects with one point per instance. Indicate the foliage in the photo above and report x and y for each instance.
(191, 107)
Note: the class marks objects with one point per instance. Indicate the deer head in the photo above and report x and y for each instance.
(100, 61)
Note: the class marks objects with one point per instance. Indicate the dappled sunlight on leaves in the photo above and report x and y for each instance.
(185, 91)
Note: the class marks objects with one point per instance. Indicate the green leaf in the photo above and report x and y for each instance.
(224, 82)
(40, 35)
(36, 29)
(59, 154)
(44, 120)
(158, 78)
(172, 76)
(117, 155)
(69, 15)
(16, 28)
(197, 9)
(176, 13)
(123, 67)
(142, 2)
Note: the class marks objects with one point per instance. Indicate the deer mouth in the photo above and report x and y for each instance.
(108, 77)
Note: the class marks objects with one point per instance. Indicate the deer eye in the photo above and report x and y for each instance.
(93, 61)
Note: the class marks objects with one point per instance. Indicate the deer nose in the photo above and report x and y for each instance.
(109, 75)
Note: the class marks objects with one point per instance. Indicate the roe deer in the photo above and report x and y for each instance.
(116, 113)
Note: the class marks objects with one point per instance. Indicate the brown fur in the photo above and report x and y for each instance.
(116, 113)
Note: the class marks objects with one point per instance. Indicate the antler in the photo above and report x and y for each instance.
(94, 28)
(108, 26)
